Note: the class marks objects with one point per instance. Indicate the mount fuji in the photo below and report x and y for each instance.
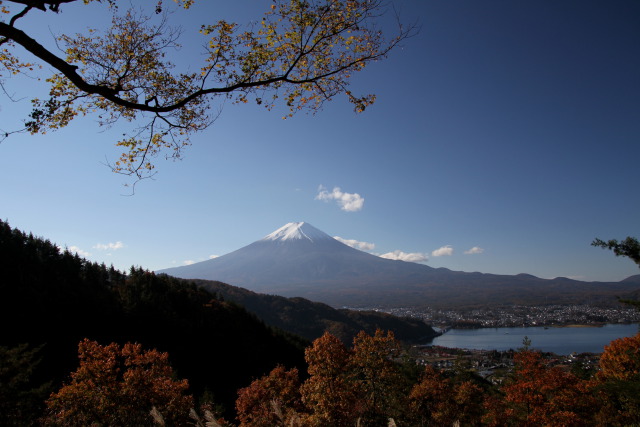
(293, 258)
(298, 260)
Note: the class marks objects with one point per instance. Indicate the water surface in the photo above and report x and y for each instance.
(555, 340)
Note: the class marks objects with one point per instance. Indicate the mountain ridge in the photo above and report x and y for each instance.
(326, 270)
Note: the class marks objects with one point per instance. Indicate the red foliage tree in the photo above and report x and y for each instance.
(380, 386)
(539, 395)
(430, 399)
(330, 393)
(437, 400)
(119, 386)
(273, 400)
(621, 360)
(618, 382)
(346, 387)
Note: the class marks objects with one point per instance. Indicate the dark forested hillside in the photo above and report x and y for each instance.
(54, 299)
(311, 319)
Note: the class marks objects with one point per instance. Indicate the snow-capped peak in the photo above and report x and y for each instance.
(297, 231)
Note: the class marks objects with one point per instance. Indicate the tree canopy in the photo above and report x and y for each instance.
(120, 386)
(301, 53)
(629, 247)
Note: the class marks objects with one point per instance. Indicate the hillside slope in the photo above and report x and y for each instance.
(311, 319)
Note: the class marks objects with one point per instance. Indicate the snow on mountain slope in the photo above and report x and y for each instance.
(297, 231)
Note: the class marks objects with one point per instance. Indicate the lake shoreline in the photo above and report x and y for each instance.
(572, 325)
(560, 339)
(599, 325)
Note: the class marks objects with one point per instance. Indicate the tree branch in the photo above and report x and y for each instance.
(54, 5)
(122, 74)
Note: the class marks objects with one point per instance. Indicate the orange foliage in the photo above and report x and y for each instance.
(119, 386)
(364, 386)
(329, 392)
(376, 376)
(436, 400)
(345, 387)
(430, 399)
(544, 396)
(621, 359)
(619, 382)
(271, 400)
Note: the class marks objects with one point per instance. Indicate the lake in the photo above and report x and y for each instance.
(556, 340)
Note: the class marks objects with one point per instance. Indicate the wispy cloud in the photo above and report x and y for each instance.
(443, 251)
(363, 246)
(109, 246)
(78, 251)
(213, 256)
(404, 256)
(189, 262)
(474, 250)
(349, 202)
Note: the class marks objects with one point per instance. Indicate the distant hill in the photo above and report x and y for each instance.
(311, 319)
(633, 279)
(299, 260)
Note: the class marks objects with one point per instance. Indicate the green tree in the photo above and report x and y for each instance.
(302, 52)
(21, 400)
(630, 248)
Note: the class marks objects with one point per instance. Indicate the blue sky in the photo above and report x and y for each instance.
(508, 127)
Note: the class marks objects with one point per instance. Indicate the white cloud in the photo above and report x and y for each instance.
(79, 251)
(363, 246)
(474, 250)
(109, 246)
(350, 202)
(404, 256)
(445, 250)
(189, 262)
(213, 256)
